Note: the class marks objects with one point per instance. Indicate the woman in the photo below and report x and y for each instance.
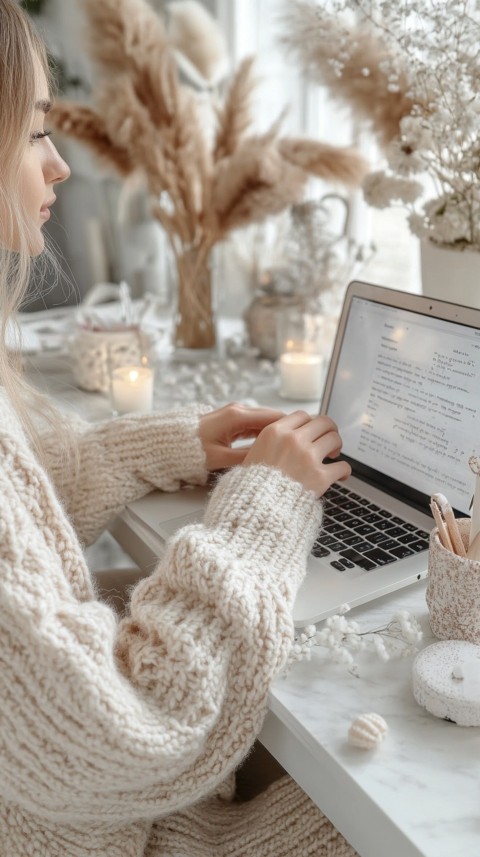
(118, 737)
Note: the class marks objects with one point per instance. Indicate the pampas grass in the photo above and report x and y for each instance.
(322, 160)
(195, 34)
(235, 117)
(87, 126)
(145, 121)
(362, 85)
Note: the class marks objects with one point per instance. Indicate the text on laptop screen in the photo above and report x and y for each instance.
(406, 398)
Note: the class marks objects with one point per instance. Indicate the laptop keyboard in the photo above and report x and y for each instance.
(356, 532)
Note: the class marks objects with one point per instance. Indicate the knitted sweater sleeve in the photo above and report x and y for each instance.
(103, 722)
(121, 460)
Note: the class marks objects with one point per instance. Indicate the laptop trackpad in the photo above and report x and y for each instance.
(168, 528)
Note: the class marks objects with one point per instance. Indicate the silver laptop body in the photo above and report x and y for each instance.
(403, 387)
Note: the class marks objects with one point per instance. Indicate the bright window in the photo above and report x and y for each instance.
(252, 27)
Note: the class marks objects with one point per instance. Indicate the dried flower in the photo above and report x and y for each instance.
(312, 255)
(344, 640)
(381, 189)
(411, 71)
(204, 181)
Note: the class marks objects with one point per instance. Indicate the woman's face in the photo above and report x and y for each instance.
(41, 169)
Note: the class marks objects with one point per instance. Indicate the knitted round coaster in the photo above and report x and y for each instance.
(446, 681)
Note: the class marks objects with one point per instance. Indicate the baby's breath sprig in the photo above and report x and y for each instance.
(409, 71)
(344, 639)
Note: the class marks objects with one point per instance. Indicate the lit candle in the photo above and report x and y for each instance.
(132, 389)
(301, 375)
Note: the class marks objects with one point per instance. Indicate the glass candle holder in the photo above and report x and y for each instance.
(301, 359)
(132, 390)
(131, 386)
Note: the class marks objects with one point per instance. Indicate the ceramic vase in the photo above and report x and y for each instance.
(450, 274)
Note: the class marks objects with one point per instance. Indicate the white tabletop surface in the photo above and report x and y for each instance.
(418, 793)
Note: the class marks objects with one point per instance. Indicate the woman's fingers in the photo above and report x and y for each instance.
(311, 428)
(335, 453)
(317, 426)
(329, 445)
(295, 420)
(232, 456)
(296, 443)
(338, 471)
(219, 429)
(235, 421)
(249, 422)
(322, 431)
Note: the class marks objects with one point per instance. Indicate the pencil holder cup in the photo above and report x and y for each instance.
(453, 590)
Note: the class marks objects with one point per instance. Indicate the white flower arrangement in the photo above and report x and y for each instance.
(411, 71)
(344, 640)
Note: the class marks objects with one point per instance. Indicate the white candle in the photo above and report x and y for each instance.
(301, 375)
(132, 389)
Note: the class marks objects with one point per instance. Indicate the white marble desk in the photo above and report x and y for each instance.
(418, 794)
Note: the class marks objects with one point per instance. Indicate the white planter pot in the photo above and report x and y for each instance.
(450, 275)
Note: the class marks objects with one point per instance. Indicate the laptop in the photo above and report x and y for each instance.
(403, 387)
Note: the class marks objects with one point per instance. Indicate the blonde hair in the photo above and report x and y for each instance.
(21, 50)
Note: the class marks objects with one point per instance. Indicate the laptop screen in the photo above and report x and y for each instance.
(406, 398)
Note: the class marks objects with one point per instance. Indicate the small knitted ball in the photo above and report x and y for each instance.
(367, 731)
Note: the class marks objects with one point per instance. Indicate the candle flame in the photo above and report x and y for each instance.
(133, 375)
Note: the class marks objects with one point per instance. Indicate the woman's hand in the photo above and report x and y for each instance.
(220, 428)
(297, 445)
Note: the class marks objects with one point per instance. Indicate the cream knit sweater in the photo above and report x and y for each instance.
(116, 737)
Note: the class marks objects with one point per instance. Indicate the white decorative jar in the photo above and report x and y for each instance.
(450, 274)
(446, 681)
